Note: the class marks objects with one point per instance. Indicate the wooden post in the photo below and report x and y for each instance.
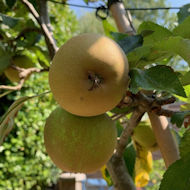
(165, 140)
(66, 183)
(71, 181)
(122, 18)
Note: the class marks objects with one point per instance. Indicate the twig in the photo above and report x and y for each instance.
(23, 74)
(127, 132)
(52, 47)
(17, 87)
(164, 101)
(44, 16)
(32, 10)
(119, 173)
(164, 112)
(118, 116)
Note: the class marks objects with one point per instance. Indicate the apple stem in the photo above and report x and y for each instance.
(95, 79)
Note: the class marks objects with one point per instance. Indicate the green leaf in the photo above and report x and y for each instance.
(119, 128)
(28, 39)
(42, 56)
(183, 13)
(149, 53)
(185, 107)
(108, 28)
(185, 79)
(7, 120)
(176, 45)
(129, 157)
(184, 146)
(121, 110)
(107, 176)
(153, 32)
(160, 51)
(9, 21)
(183, 29)
(146, 55)
(130, 42)
(187, 92)
(5, 93)
(117, 36)
(160, 77)
(10, 3)
(5, 58)
(178, 118)
(177, 176)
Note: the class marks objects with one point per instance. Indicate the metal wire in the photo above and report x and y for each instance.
(128, 9)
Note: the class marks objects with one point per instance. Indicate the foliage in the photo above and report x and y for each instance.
(89, 23)
(179, 170)
(24, 163)
(160, 77)
(156, 175)
(151, 53)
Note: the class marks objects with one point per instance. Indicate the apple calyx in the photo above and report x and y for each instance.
(95, 79)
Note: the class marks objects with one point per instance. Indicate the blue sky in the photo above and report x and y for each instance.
(80, 11)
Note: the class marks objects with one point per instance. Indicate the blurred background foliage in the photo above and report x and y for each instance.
(24, 163)
(23, 160)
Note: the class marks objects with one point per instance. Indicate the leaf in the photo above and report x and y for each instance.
(176, 45)
(28, 39)
(121, 110)
(130, 42)
(7, 120)
(119, 128)
(9, 21)
(146, 55)
(5, 93)
(160, 77)
(146, 33)
(185, 79)
(108, 28)
(155, 32)
(178, 118)
(177, 176)
(10, 3)
(185, 107)
(183, 13)
(106, 175)
(187, 92)
(183, 29)
(149, 53)
(42, 56)
(117, 36)
(129, 157)
(5, 58)
(184, 146)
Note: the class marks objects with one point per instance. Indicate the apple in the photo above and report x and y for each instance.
(89, 75)
(79, 144)
(21, 61)
(144, 136)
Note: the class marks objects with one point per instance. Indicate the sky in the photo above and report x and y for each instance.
(80, 11)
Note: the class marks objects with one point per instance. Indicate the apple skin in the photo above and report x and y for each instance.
(79, 144)
(77, 62)
(21, 61)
